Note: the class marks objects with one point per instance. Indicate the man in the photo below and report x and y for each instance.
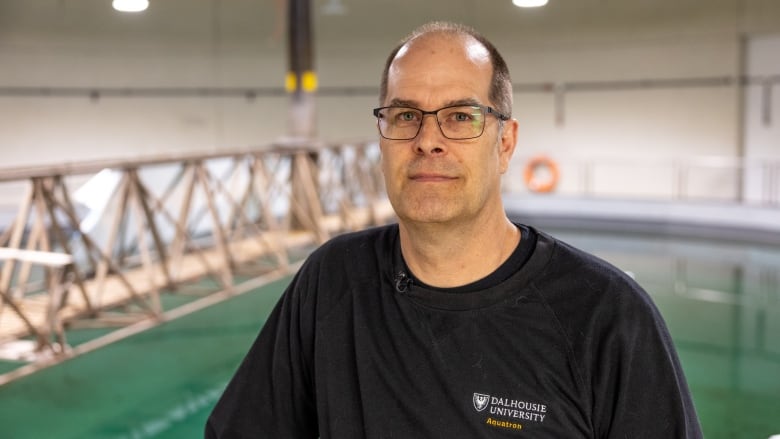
(455, 323)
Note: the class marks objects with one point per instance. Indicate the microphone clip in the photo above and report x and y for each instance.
(402, 282)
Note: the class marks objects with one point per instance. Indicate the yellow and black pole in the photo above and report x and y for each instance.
(301, 84)
(301, 79)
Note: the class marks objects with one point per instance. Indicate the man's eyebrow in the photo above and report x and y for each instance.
(402, 103)
(414, 104)
(467, 101)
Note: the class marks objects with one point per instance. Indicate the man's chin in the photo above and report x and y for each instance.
(427, 216)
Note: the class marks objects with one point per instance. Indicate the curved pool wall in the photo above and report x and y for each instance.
(721, 221)
(714, 273)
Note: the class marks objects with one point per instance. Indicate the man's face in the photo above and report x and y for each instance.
(432, 179)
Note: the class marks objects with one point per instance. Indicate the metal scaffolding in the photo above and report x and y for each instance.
(103, 253)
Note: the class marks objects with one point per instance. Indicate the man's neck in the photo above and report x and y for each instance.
(450, 255)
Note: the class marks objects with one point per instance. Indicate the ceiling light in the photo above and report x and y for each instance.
(529, 3)
(130, 5)
(334, 7)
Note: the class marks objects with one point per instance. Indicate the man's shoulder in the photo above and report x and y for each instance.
(569, 261)
(591, 297)
(576, 279)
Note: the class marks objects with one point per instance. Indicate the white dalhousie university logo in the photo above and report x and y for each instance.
(480, 401)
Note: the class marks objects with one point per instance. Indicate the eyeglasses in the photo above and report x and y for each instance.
(457, 122)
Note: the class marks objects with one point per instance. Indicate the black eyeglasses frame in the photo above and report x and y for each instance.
(486, 109)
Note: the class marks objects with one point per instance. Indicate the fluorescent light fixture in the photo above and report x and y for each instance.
(334, 7)
(130, 5)
(529, 3)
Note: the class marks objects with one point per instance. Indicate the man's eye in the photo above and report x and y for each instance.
(461, 116)
(407, 116)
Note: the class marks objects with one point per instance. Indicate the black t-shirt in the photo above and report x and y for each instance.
(555, 343)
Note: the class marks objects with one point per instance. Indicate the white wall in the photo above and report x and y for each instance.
(44, 129)
(762, 118)
(632, 124)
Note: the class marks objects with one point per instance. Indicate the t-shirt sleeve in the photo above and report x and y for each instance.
(639, 387)
(271, 394)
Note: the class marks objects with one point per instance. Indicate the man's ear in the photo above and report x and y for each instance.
(507, 144)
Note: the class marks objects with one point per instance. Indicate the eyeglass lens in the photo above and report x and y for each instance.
(401, 123)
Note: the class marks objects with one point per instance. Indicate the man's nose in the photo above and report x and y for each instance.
(430, 139)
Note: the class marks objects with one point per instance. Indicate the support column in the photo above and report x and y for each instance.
(301, 80)
(301, 84)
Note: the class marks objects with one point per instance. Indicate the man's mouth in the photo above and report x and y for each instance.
(431, 177)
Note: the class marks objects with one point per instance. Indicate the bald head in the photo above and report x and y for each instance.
(473, 46)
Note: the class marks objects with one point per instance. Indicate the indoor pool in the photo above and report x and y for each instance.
(721, 302)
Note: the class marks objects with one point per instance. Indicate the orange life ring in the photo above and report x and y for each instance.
(536, 183)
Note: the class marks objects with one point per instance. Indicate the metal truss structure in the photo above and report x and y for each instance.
(99, 244)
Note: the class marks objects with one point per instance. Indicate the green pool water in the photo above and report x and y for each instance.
(721, 303)
(161, 383)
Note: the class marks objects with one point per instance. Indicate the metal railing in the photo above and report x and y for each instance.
(721, 179)
(132, 231)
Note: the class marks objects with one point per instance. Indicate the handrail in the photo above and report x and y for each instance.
(290, 146)
(737, 180)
